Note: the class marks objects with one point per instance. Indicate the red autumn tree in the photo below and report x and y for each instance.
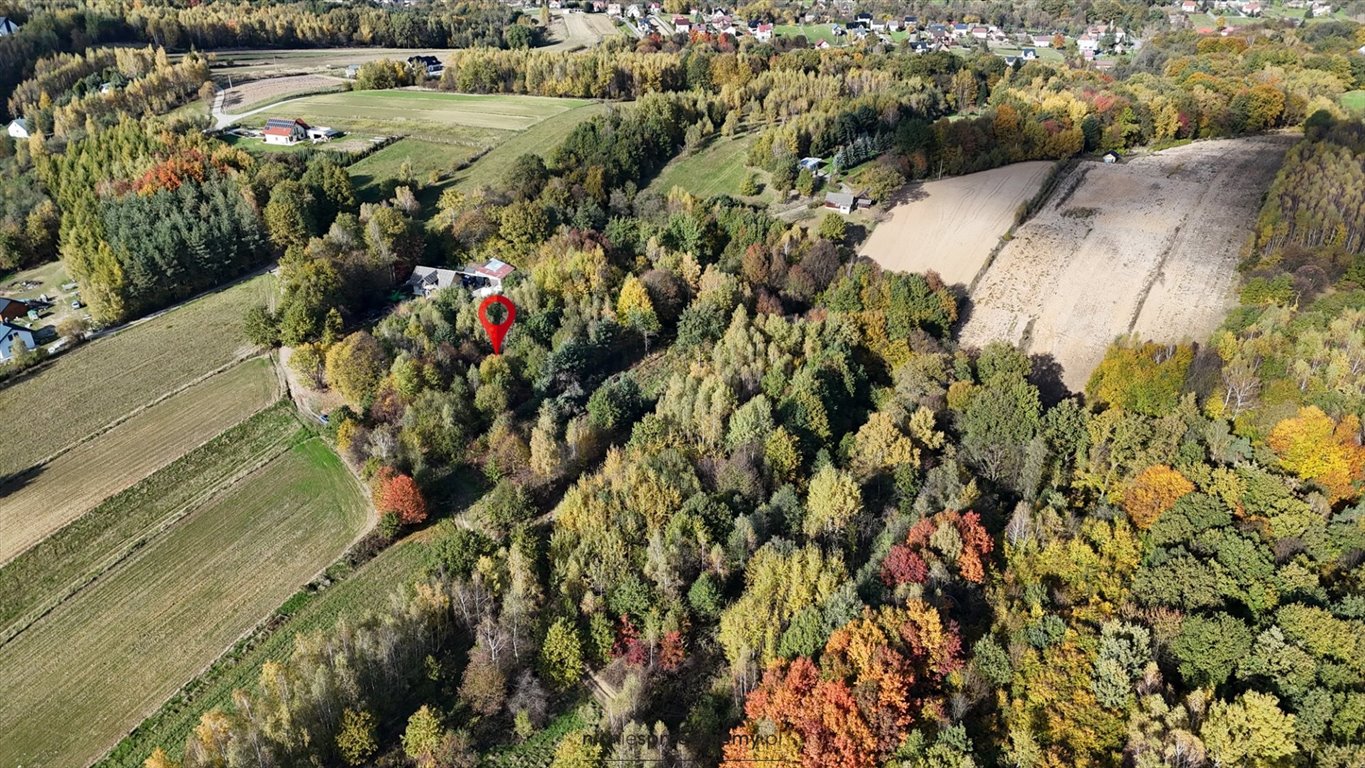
(949, 538)
(397, 493)
(672, 650)
(628, 644)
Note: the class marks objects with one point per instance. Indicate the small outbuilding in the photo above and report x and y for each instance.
(17, 128)
(1111, 157)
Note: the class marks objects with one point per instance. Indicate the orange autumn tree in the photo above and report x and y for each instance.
(948, 537)
(878, 675)
(1314, 447)
(1154, 491)
(397, 493)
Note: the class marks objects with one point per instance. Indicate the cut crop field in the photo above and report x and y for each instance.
(575, 31)
(718, 169)
(257, 93)
(84, 675)
(87, 389)
(449, 118)
(1148, 246)
(53, 494)
(266, 62)
(952, 225)
(68, 560)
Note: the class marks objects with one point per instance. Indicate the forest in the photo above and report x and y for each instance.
(739, 494)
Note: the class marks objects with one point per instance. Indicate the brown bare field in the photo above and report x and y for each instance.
(33, 506)
(952, 225)
(266, 62)
(253, 93)
(1147, 246)
(79, 679)
(575, 31)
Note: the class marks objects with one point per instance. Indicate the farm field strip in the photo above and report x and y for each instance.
(951, 225)
(358, 594)
(424, 157)
(76, 481)
(53, 570)
(81, 678)
(252, 94)
(1149, 246)
(93, 387)
(261, 62)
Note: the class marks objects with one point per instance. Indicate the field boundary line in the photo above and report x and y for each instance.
(239, 360)
(1028, 209)
(151, 533)
(264, 623)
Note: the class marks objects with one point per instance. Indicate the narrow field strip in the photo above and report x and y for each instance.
(82, 677)
(43, 577)
(87, 389)
(32, 507)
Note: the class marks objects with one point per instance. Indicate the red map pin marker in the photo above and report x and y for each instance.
(497, 331)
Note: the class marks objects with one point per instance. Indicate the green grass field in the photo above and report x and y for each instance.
(449, 118)
(540, 139)
(372, 174)
(1354, 101)
(362, 592)
(81, 678)
(68, 560)
(717, 169)
(85, 390)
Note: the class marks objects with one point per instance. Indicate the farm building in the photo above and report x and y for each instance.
(8, 27)
(1111, 157)
(18, 128)
(285, 132)
(12, 308)
(9, 335)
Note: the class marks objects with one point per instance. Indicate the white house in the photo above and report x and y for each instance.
(9, 334)
(18, 128)
(285, 132)
(613, 9)
(8, 27)
(479, 279)
(843, 202)
(1088, 42)
(763, 32)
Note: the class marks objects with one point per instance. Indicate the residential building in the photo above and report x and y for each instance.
(1028, 54)
(12, 308)
(284, 132)
(18, 128)
(479, 279)
(843, 202)
(9, 335)
(430, 65)
(8, 27)
(763, 32)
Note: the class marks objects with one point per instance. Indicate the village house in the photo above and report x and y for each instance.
(12, 334)
(1189, 6)
(613, 9)
(1029, 54)
(18, 128)
(980, 33)
(763, 32)
(682, 24)
(479, 279)
(284, 132)
(1041, 41)
(1088, 43)
(430, 65)
(8, 27)
(843, 202)
(12, 308)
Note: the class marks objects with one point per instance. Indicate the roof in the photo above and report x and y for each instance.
(495, 268)
(21, 122)
(5, 304)
(7, 330)
(431, 278)
(841, 199)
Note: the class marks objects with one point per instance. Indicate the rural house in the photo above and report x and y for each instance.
(285, 132)
(8, 27)
(18, 128)
(9, 335)
(843, 202)
(12, 308)
(430, 65)
(480, 279)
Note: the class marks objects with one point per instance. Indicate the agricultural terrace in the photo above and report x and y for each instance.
(952, 225)
(80, 679)
(446, 118)
(1147, 246)
(33, 506)
(68, 560)
(717, 169)
(87, 389)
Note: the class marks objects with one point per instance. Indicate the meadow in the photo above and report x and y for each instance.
(718, 169)
(55, 493)
(492, 168)
(81, 678)
(88, 389)
(376, 174)
(60, 565)
(1354, 101)
(448, 118)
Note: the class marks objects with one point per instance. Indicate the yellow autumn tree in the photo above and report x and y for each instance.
(1154, 491)
(1316, 448)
